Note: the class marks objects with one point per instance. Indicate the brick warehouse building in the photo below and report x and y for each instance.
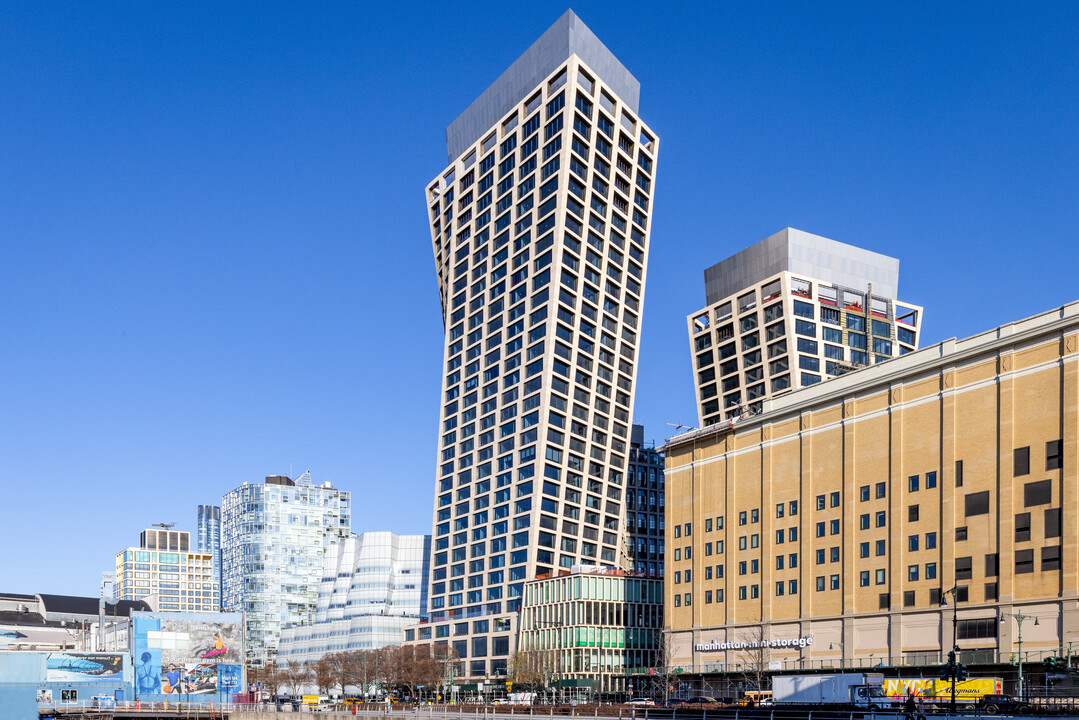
(834, 523)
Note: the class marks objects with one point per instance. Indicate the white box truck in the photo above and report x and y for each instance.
(864, 690)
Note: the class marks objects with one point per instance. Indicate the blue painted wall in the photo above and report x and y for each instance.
(22, 674)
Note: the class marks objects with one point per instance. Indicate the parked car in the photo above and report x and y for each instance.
(704, 700)
(996, 704)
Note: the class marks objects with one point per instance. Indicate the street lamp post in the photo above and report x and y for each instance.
(953, 659)
(1019, 618)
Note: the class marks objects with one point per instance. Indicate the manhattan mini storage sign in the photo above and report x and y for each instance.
(753, 645)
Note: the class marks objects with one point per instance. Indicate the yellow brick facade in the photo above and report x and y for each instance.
(899, 482)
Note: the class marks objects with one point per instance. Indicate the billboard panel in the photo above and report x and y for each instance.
(184, 656)
(83, 667)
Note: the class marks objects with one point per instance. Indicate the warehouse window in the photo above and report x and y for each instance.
(977, 503)
(963, 568)
(1022, 527)
(1038, 493)
(1054, 454)
(977, 629)
(1051, 558)
(1052, 522)
(1021, 461)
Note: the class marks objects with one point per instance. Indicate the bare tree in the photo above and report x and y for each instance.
(390, 668)
(361, 669)
(448, 660)
(335, 666)
(323, 673)
(754, 657)
(664, 669)
(413, 660)
(430, 665)
(295, 675)
(528, 669)
(268, 676)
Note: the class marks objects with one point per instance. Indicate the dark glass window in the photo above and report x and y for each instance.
(977, 629)
(1038, 493)
(1021, 461)
(963, 568)
(1052, 522)
(977, 503)
(1054, 454)
(1022, 527)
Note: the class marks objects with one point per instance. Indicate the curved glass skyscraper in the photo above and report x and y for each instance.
(274, 540)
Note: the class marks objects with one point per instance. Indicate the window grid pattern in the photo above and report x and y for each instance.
(540, 234)
(786, 333)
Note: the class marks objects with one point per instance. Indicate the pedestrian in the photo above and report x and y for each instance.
(910, 708)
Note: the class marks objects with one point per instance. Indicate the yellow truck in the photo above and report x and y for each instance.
(966, 691)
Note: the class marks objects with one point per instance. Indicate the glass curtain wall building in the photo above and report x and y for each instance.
(208, 537)
(592, 629)
(644, 506)
(274, 540)
(373, 585)
(540, 229)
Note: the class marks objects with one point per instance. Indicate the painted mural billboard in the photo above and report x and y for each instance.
(83, 667)
(186, 656)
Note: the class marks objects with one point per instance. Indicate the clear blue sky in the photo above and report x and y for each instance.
(213, 245)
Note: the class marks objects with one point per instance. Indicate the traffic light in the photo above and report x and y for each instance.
(945, 672)
(1056, 666)
(961, 672)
